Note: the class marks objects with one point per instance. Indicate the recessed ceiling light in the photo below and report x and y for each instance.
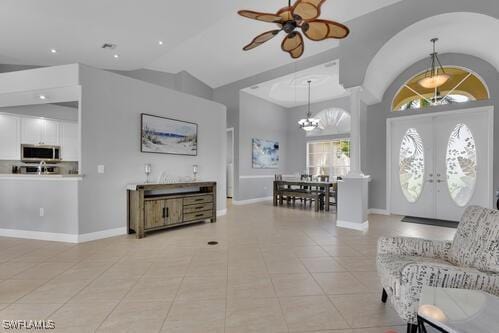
(160, 42)
(116, 56)
(42, 97)
(53, 51)
(330, 64)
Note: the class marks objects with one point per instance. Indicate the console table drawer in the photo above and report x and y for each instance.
(198, 215)
(198, 199)
(198, 208)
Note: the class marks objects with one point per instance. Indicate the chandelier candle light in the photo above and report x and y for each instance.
(309, 123)
(435, 75)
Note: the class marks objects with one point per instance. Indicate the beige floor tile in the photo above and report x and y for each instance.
(85, 271)
(10, 269)
(292, 265)
(42, 271)
(339, 283)
(154, 289)
(365, 310)
(369, 279)
(55, 291)
(12, 290)
(136, 317)
(295, 285)
(309, 252)
(396, 329)
(107, 290)
(256, 264)
(198, 316)
(250, 284)
(254, 315)
(341, 251)
(81, 317)
(28, 311)
(169, 268)
(207, 287)
(207, 268)
(320, 265)
(133, 270)
(311, 313)
(358, 264)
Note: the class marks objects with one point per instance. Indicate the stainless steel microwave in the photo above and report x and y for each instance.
(38, 153)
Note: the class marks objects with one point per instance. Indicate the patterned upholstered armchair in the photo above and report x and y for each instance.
(470, 261)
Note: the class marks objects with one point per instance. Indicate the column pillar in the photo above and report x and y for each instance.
(352, 206)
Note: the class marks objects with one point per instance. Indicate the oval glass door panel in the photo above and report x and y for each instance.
(461, 165)
(411, 165)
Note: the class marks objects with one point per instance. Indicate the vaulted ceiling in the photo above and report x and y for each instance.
(202, 37)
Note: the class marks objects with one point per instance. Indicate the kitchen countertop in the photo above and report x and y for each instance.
(18, 176)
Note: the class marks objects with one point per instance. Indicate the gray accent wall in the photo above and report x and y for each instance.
(259, 119)
(378, 114)
(111, 107)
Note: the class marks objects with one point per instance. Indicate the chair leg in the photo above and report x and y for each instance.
(384, 296)
(412, 328)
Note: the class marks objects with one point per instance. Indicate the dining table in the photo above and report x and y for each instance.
(324, 187)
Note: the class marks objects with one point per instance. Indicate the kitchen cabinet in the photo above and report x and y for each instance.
(9, 137)
(39, 131)
(70, 148)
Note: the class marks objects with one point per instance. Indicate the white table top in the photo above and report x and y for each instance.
(460, 310)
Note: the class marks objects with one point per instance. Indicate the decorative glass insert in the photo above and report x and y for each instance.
(411, 163)
(461, 165)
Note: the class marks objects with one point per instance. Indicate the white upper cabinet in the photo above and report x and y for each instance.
(70, 149)
(39, 131)
(9, 137)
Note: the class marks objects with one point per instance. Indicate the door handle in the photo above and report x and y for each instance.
(441, 181)
(164, 212)
(167, 212)
(430, 180)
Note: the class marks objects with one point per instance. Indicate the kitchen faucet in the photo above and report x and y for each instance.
(41, 167)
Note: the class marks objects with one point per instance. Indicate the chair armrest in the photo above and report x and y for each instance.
(407, 246)
(417, 275)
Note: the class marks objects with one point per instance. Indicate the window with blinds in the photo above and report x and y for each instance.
(331, 157)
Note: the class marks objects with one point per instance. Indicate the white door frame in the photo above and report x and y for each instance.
(490, 112)
(231, 131)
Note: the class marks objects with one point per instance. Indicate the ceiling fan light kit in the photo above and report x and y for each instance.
(304, 16)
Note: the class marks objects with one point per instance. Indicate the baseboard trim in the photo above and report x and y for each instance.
(61, 237)
(250, 201)
(378, 211)
(39, 235)
(101, 234)
(221, 212)
(353, 225)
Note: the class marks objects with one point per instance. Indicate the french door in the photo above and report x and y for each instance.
(440, 164)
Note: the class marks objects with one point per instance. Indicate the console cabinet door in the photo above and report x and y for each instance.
(154, 213)
(174, 208)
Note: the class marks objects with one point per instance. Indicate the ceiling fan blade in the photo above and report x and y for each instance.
(260, 39)
(336, 30)
(285, 13)
(315, 30)
(265, 17)
(308, 9)
(296, 53)
(293, 44)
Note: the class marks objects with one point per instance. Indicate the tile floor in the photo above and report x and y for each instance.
(274, 270)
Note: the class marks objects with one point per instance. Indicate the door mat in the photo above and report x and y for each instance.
(435, 222)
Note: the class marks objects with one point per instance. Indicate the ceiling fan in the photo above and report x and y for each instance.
(304, 15)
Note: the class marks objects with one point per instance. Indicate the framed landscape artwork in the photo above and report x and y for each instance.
(265, 154)
(168, 136)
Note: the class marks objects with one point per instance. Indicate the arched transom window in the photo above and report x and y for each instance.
(461, 87)
(332, 121)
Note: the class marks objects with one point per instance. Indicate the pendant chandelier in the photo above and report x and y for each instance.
(309, 123)
(435, 75)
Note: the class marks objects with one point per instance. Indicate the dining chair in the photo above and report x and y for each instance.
(308, 178)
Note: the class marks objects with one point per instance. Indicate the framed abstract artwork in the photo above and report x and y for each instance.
(265, 154)
(168, 136)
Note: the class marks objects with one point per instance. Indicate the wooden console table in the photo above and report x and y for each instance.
(159, 206)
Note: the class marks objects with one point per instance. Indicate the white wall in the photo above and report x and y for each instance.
(111, 106)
